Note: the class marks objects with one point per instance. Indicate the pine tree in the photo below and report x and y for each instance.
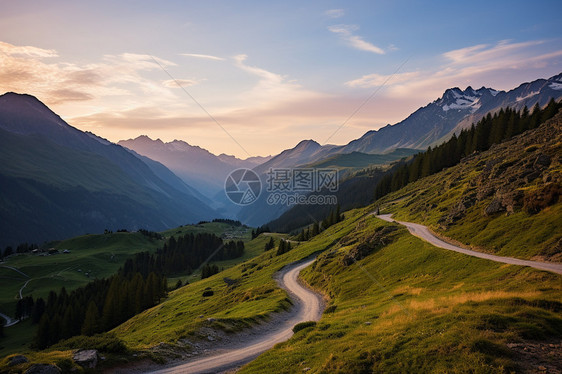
(38, 310)
(315, 229)
(42, 336)
(281, 248)
(91, 320)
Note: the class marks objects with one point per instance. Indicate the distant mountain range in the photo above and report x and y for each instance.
(427, 126)
(57, 181)
(437, 121)
(194, 165)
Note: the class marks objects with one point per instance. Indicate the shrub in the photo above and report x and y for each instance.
(303, 325)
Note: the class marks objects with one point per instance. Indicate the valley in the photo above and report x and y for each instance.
(441, 260)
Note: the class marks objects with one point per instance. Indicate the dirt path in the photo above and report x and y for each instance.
(308, 306)
(424, 233)
(14, 269)
(9, 320)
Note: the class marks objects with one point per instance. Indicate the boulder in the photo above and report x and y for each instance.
(494, 207)
(43, 369)
(87, 358)
(16, 360)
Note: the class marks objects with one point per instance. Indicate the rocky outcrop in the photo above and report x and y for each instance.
(16, 360)
(87, 358)
(502, 179)
(383, 236)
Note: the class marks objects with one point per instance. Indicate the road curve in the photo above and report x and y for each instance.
(309, 306)
(424, 233)
(9, 320)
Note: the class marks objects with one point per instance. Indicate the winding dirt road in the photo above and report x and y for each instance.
(424, 233)
(9, 320)
(309, 308)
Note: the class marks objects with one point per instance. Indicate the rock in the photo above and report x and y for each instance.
(43, 369)
(512, 200)
(87, 358)
(381, 238)
(494, 207)
(16, 360)
(368, 323)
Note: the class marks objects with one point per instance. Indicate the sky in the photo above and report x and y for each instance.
(252, 78)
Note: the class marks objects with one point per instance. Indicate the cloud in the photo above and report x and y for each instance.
(346, 33)
(477, 65)
(26, 51)
(207, 57)
(374, 80)
(38, 72)
(64, 95)
(334, 13)
(271, 88)
(173, 83)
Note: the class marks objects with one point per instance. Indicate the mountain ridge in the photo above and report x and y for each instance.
(58, 181)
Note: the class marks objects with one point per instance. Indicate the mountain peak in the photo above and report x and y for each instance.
(455, 98)
(309, 143)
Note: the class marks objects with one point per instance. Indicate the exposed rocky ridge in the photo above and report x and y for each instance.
(508, 169)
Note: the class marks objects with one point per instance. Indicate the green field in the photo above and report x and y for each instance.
(91, 257)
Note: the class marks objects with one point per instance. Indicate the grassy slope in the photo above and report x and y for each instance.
(411, 307)
(358, 160)
(98, 256)
(517, 234)
(408, 307)
(254, 298)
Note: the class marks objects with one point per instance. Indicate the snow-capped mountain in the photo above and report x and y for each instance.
(468, 99)
(455, 110)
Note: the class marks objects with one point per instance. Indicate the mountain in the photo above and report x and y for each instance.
(351, 194)
(455, 110)
(303, 153)
(194, 165)
(57, 181)
(249, 163)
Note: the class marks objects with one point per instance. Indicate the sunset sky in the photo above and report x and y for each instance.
(270, 73)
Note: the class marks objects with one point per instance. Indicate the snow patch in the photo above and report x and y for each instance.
(463, 102)
(556, 86)
(521, 98)
(493, 92)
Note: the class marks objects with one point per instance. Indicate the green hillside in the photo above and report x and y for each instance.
(93, 257)
(358, 160)
(410, 307)
(504, 201)
(394, 302)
